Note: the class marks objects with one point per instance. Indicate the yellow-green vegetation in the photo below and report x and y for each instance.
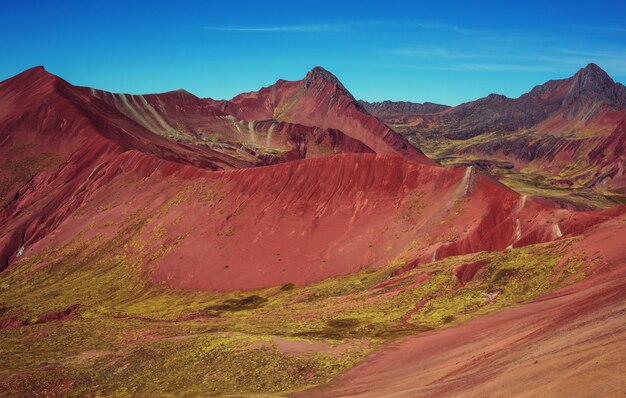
(564, 182)
(278, 111)
(534, 184)
(125, 357)
(134, 337)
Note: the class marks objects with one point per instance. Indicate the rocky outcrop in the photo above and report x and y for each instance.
(590, 90)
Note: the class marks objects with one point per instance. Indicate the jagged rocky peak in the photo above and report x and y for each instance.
(318, 71)
(496, 98)
(593, 74)
(591, 84)
(319, 74)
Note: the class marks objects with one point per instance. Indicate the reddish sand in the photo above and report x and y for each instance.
(570, 343)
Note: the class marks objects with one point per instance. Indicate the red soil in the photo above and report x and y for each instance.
(297, 222)
(569, 343)
(465, 272)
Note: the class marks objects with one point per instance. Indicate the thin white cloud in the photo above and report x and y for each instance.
(607, 29)
(503, 67)
(612, 60)
(501, 55)
(428, 51)
(342, 26)
(433, 26)
(282, 28)
(477, 67)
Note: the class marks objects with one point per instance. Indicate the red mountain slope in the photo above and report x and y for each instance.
(568, 343)
(188, 120)
(320, 100)
(320, 218)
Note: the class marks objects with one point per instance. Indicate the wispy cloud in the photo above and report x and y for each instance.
(343, 26)
(486, 54)
(614, 29)
(431, 26)
(430, 51)
(472, 67)
(612, 59)
(328, 27)
(503, 67)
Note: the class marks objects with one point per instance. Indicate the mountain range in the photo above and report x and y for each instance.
(310, 228)
(561, 134)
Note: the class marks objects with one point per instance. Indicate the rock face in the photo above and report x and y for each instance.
(591, 89)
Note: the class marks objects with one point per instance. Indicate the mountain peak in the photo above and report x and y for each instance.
(184, 93)
(320, 77)
(37, 71)
(319, 72)
(35, 75)
(593, 68)
(592, 85)
(496, 97)
(593, 72)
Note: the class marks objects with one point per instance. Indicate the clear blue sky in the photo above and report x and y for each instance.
(447, 52)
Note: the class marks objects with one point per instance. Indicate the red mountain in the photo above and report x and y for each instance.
(320, 100)
(278, 237)
(79, 142)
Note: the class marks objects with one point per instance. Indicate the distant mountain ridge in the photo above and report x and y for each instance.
(401, 109)
(569, 132)
(589, 90)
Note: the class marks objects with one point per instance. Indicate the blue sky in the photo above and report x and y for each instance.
(449, 52)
